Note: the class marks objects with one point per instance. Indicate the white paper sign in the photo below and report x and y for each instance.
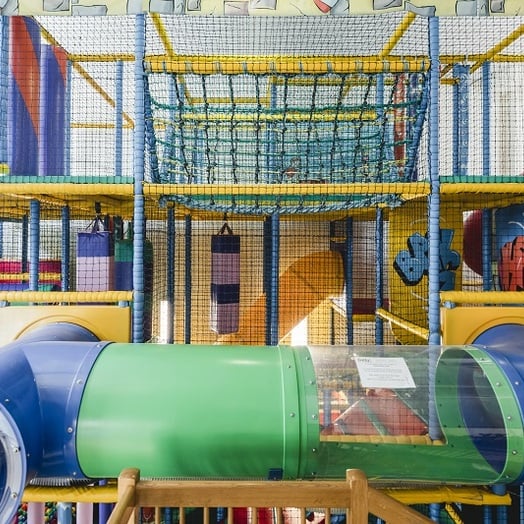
(379, 372)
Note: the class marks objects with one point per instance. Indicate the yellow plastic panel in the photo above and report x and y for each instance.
(462, 325)
(106, 322)
(408, 298)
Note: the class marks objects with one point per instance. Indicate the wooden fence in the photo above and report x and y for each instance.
(353, 497)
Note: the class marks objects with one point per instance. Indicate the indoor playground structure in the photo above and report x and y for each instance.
(261, 240)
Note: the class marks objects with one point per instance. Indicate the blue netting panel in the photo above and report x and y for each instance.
(285, 128)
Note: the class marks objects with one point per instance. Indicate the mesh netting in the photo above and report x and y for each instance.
(258, 121)
(315, 129)
(310, 139)
(316, 120)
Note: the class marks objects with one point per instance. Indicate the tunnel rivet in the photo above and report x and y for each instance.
(497, 384)
(16, 449)
(517, 383)
(14, 495)
(314, 450)
(509, 417)
(6, 400)
(291, 414)
(311, 382)
(514, 452)
(314, 416)
(79, 381)
(70, 429)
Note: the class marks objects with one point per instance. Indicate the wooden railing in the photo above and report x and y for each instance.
(354, 497)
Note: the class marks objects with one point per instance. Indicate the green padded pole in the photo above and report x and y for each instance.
(199, 411)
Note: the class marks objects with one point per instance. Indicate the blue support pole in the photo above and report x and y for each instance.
(379, 238)
(187, 281)
(266, 277)
(170, 287)
(138, 172)
(273, 291)
(270, 177)
(34, 245)
(66, 249)
(168, 519)
(25, 244)
(501, 511)
(379, 274)
(266, 256)
(64, 513)
(348, 279)
(433, 224)
(119, 97)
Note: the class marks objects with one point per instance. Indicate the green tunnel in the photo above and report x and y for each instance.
(199, 411)
(76, 407)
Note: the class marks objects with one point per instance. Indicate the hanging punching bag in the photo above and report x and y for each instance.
(225, 281)
(95, 256)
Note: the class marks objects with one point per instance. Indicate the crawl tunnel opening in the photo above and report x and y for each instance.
(478, 408)
(481, 413)
(13, 466)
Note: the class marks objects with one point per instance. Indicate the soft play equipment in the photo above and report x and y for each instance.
(225, 281)
(74, 407)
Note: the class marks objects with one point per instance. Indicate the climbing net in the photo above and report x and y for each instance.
(317, 128)
(296, 120)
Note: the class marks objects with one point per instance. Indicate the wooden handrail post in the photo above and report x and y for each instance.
(125, 511)
(358, 496)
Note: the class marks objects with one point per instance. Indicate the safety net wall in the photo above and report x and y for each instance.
(480, 118)
(301, 145)
(233, 102)
(266, 180)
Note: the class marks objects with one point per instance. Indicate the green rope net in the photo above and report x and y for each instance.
(263, 129)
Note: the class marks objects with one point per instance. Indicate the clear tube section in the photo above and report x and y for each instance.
(374, 414)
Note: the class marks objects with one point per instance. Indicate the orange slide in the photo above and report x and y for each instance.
(302, 287)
